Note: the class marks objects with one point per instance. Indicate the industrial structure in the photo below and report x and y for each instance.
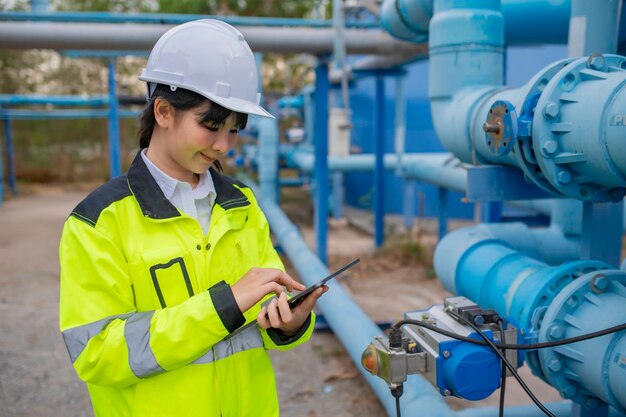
(528, 295)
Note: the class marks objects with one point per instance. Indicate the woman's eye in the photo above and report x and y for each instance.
(234, 131)
(213, 128)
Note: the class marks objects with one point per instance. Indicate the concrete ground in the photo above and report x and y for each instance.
(316, 379)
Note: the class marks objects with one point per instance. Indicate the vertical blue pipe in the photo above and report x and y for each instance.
(442, 215)
(321, 157)
(337, 194)
(409, 202)
(602, 232)
(491, 212)
(379, 167)
(8, 133)
(114, 124)
(268, 158)
(593, 27)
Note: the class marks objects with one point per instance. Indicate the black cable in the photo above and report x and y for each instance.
(506, 362)
(398, 407)
(530, 346)
(503, 375)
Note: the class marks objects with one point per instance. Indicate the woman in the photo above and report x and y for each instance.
(160, 267)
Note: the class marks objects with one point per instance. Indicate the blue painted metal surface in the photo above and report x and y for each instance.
(546, 303)
(500, 183)
(19, 114)
(18, 99)
(379, 168)
(173, 19)
(409, 19)
(602, 232)
(268, 157)
(115, 158)
(321, 155)
(593, 27)
(292, 102)
(409, 203)
(583, 101)
(337, 211)
(592, 302)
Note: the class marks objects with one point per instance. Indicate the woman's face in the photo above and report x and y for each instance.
(187, 146)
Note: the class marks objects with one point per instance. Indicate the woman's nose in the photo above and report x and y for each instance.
(221, 144)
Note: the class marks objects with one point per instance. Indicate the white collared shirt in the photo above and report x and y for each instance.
(194, 202)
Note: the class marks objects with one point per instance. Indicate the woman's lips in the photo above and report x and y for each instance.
(206, 158)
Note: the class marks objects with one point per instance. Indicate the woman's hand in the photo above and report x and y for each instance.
(258, 282)
(281, 316)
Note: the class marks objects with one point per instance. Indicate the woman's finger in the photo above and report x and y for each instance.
(283, 308)
(274, 316)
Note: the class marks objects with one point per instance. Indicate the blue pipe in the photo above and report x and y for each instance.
(321, 155)
(546, 303)
(379, 169)
(17, 99)
(115, 158)
(268, 158)
(16, 114)
(173, 19)
(593, 27)
(408, 20)
(415, 165)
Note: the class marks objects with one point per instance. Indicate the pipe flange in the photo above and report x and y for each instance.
(544, 291)
(565, 318)
(501, 127)
(523, 146)
(568, 148)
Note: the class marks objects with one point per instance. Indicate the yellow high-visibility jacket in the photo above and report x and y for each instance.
(146, 304)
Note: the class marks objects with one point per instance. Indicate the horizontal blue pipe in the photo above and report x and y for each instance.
(62, 100)
(63, 114)
(434, 168)
(559, 409)
(550, 20)
(173, 19)
(350, 324)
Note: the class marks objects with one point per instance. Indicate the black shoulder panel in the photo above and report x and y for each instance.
(228, 196)
(90, 208)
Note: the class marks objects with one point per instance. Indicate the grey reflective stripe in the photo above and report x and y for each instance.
(248, 339)
(77, 338)
(140, 356)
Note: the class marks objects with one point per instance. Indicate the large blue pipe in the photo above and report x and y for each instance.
(409, 19)
(546, 303)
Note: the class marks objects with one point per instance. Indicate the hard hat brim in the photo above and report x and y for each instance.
(231, 103)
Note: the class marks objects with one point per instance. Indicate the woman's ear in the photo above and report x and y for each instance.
(163, 112)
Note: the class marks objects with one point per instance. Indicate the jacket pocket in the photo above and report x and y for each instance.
(163, 278)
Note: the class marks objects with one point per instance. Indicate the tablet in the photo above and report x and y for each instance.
(297, 299)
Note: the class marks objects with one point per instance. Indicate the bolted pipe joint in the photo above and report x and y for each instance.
(578, 129)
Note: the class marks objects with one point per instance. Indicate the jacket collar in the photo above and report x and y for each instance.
(155, 205)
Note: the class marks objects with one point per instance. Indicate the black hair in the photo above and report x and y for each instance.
(182, 99)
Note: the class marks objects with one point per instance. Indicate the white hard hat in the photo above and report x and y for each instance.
(211, 58)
